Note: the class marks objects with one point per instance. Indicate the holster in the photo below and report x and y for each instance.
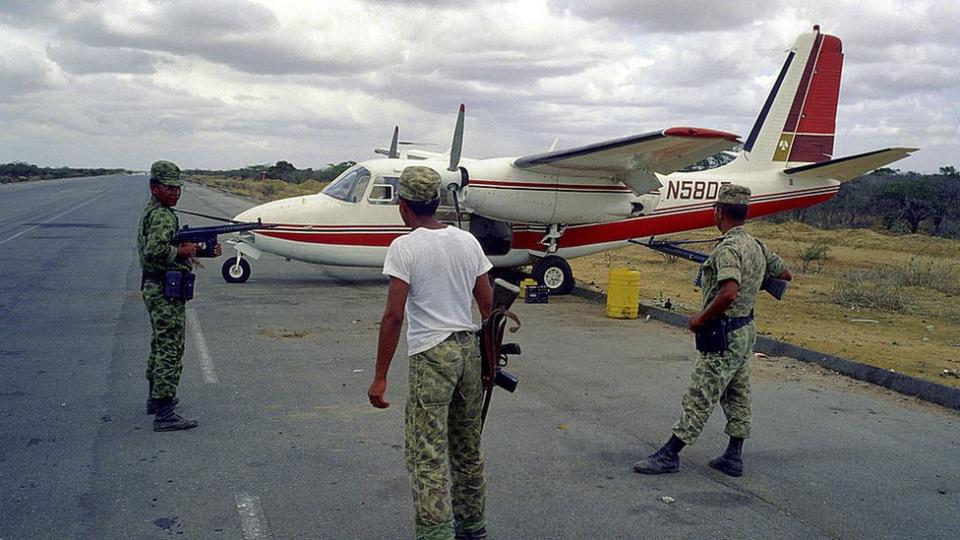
(178, 284)
(712, 336)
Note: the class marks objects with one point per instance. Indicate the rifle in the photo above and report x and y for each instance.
(493, 352)
(774, 286)
(207, 236)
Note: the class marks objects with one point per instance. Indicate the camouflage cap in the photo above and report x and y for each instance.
(166, 173)
(733, 194)
(419, 183)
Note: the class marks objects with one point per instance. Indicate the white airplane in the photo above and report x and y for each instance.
(543, 209)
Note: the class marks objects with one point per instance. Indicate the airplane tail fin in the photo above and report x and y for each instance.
(797, 123)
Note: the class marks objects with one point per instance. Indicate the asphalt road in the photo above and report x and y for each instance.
(276, 370)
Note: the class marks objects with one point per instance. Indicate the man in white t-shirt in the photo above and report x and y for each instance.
(434, 271)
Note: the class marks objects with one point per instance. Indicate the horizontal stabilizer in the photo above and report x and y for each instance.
(634, 159)
(850, 167)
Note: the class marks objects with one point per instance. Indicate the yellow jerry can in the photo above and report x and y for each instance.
(623, 294)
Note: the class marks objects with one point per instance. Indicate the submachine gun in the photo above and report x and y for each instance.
(206, 237)
(493, 351)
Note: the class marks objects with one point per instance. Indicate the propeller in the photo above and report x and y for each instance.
(455, 149)
(457, 146)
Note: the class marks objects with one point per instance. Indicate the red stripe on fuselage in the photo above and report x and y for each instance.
(548, 185)
(366, 239)
(574, 235)
(653, 225)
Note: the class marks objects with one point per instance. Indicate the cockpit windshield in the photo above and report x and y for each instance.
(350, 186)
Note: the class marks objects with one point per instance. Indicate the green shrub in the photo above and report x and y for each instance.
(863, 290)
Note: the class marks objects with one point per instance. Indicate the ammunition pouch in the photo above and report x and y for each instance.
(178, 284)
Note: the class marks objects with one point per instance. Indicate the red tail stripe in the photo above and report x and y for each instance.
(820, 108)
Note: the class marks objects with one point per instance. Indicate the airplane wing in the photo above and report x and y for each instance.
(634, 159)
(850, 167)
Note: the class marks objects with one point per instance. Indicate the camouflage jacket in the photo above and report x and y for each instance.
(158, 224)
(744, 259)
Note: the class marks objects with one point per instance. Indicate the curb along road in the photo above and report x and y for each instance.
(898, 382)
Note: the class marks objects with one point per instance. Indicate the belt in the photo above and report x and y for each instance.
(457, 334)
(150, 276)
(736, 323)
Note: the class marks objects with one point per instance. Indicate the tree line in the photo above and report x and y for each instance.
(19, 171)
(281, 170)
(890, 200)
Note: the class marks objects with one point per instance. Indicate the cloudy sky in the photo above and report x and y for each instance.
(229, 83)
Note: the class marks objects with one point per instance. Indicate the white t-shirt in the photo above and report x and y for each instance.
(441, 266)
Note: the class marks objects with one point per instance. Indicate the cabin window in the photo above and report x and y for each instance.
(350, 186)
(384, 191)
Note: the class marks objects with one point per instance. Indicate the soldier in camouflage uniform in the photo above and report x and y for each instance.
(158, 224)
(732, 276)
(434, 271)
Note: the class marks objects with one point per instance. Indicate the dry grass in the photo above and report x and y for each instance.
(919, 335)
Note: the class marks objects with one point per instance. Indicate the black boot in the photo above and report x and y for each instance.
(152, 403)
(168, 420)
(475, 535)
(731, 462)
(664, 460)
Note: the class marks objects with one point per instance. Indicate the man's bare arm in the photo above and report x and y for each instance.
(719, 304)
(390, 325)
(483, 293)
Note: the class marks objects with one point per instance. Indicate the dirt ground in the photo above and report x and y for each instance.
(921, 339)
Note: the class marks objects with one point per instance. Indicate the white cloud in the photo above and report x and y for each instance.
(226, 83)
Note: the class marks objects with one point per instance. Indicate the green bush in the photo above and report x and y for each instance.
(861, 290)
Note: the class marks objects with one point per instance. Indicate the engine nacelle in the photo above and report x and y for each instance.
(454, 180)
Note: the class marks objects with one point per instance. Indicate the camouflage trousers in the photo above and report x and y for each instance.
(443, 438)
(168, 319)
(723, 378)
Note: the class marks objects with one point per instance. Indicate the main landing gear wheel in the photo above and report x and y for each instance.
(555, 273)
(235, 270)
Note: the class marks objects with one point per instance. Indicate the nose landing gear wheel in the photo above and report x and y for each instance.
(235, 270)
(555, 273)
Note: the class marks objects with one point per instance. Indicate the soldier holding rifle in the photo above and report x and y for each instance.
(166, 283)
(732, 276)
